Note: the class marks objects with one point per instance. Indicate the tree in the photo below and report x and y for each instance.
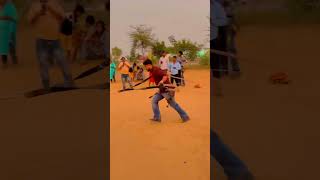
(189, 48)
(141, 37)
(116, 52)
(158, 47)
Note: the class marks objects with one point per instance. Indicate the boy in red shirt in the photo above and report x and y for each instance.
(161, 79)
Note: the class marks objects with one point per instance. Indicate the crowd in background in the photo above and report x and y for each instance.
(130, 72)
(61, 38)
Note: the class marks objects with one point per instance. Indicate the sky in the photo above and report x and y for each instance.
(185, 19)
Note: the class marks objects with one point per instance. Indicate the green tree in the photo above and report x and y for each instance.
(116, 52)
(141, 37)
(158, 47)
(189, 48)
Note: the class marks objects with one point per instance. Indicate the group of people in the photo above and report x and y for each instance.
(174, 65)
(61, 38)
(8, 31)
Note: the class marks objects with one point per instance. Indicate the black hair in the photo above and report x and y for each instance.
(130, 69)
(90, 20)
(146, 62)
(180, 52)
(174, 56)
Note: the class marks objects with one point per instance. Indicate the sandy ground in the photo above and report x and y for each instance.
(274, 128)
(57, 136)
(141, 149)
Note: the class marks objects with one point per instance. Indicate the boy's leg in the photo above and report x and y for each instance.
(155, 106)
(184, 116)
(123, 80)
(178, 81)
(42, 55)
(129, 81)
(233, 167)
(58, 54)
(13, 53)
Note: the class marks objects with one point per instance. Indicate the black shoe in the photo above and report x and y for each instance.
(155, 120)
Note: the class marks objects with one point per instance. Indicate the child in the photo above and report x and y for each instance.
(175, 69)
(140, 75)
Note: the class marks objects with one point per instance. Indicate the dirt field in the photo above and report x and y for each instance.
(141, 149)
(274, 128)
(58, 136)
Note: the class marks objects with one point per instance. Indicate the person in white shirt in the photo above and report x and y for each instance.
(174, 69)
(164, 62)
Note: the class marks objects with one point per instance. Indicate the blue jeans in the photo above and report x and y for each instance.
(52, 49)
(125, 79)
(232, 165)
(155, 105)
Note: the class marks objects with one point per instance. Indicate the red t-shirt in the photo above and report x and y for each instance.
(157, 74)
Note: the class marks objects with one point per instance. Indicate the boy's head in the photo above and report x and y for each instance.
(180, 53)
(174, 59)
(148, 64)
(90, 20)
(164, 54)
(123, 59)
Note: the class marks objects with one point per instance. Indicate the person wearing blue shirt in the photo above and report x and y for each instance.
(175, 70)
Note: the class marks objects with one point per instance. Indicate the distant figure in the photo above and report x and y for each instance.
(140, 73)
(95, 44)
(79, 21)
(112, 71)
(164, 62)
(8, 21)
(123, 69)
(182, 60)
(88, 33)
(175, 69)
(45, 17)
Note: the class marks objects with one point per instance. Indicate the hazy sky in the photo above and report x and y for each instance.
(181, 18)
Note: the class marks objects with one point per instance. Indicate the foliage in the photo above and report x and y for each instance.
(158, 47)
(141, 37)
(205, 60)
(116, 52)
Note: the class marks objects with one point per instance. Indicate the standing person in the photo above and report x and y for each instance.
(66, 35)
(219, 29)
(8, 19)
(123, 69)
(89, 31)
(175, 70)
(218, 19)
(45, 17)
(79, 21)
(112, 71)
(182, 60)
(230, 8)
(233, 167)
(165, 92)
(164, 62)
